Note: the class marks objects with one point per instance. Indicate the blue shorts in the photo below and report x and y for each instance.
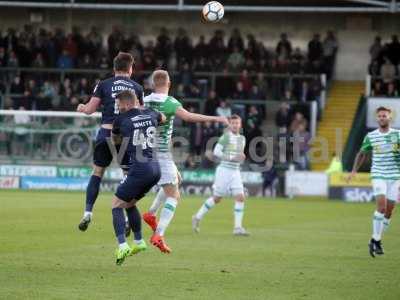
(102, 155)
(140, 179)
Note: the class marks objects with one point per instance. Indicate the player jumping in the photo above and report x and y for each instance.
(385, 174)
(169, 194)
(228, 181)
(138, 125)
(104, 95)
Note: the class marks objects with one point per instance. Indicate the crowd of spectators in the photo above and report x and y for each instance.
(384, 67)
(241, 67)
(245, 57)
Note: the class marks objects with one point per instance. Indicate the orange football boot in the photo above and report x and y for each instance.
(158, 241)
(151, 220)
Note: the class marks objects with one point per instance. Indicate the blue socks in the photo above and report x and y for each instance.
(119, 224)
(92, 191)
(135, 221)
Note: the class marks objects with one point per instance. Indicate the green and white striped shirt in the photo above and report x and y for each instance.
(385, 153)
(232, 145)
(168, 106)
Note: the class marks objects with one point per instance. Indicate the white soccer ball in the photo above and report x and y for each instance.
(213, 11)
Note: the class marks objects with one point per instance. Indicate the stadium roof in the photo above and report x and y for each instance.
(368, 6)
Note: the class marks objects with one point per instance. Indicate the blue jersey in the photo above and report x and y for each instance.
(108, 89)
(139, 126)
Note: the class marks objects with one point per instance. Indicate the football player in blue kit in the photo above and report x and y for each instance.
(104, 96)
(136, 127)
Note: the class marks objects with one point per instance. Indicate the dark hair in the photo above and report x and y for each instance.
(127, 95)
(382, 108)
(235, 117)
(123, 62)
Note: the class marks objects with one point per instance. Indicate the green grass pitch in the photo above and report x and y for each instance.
(299, 249)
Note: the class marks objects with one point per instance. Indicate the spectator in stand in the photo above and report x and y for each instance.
(31, 95)
(208, 132)
(391, 90)
(305, 92)
(46, 95)
(235, 60)
(65, 61)
(193, 92)
(374, 68)
(70, 46)
(223, 110)
(252, 126)
(186, 76)
(378, 89)
(183, 47)
(16, 90)
(301, 146)
(236, 41)
(38, 62)
(376, 49)
(163, 48)
(85, 62)
(270, 180)
(202, 65)
(103, 63)
(66, 85)
(261, 82)
(288, 96)
(393, 50)
(94, 43)
(114, 42)
(3, 60)
(83, 90)
(282, 117)
(298, 119)
(65, 100)
(13, 61)
(245, 80)
(201, 50)
(224, 85)
(217, 46)
(283, 48)
(388, 71)
(239, 92)
(255, 93)
(211, 104)
(21, 135)
(149, 62)
(315, 49)
(329, 46)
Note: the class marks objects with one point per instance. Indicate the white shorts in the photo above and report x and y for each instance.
(227, 182)
(169, 171)
(388, 188)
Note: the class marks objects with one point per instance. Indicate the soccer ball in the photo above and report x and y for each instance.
(213, 11)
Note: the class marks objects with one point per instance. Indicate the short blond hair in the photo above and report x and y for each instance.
(160, 78)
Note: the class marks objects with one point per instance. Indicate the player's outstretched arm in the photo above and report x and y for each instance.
(195, 118)
(358, 162)
(90, 107)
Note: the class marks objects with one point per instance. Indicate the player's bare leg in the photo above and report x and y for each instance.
(238, 228)
(204, 209)
(92, 191)
(375, 244)
(166, 215)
